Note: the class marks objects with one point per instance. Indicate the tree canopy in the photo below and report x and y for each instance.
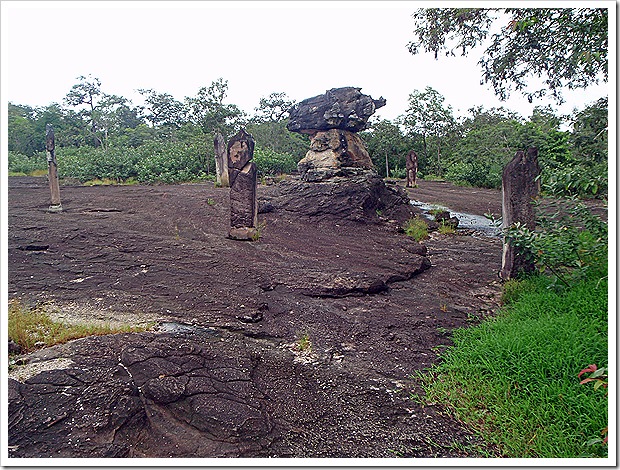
(563, 47)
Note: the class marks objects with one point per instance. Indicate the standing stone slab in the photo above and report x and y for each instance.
(52, 167)
(412, 169)
(242, 175)
(520, 187)
(221, 161)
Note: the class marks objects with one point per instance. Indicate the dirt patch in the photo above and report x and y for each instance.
(359, 293)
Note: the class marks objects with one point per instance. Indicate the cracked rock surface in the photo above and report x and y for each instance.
(304, 343)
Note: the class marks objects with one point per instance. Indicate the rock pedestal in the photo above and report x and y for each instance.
(332, 120)
(243, 184)
(332, 150)
(520, 187)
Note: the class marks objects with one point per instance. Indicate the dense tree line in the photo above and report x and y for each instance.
(104, 136)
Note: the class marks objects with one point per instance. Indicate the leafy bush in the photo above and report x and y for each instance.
(170, 163)
(270, 162)
(154, 162)
(475, 173)
(399, 172)
(576, 181)
(20, 163)
(571, 245)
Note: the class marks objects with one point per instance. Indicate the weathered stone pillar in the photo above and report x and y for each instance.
(520, 187)
(242, 175)
(221, 162)
(412, 169)
(52, 169)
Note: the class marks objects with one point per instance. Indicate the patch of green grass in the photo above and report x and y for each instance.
(416, 228)
(210, 202)
(515, 378)
(303, 343)
(446, 229)
(32, 328)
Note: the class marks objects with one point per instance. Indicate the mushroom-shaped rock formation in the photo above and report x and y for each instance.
(332, 119)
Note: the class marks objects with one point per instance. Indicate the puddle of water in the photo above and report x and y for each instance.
(474, 222)
(185, 328)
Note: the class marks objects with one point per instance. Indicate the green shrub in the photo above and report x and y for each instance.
(571, 245)
(475, 173)
(23, 164)
(576, 180)
(270, 162)
(153, 162)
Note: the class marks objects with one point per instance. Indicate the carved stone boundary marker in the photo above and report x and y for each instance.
(242, 175)
(520, 187)
(221, 161)
(412, 169)
(52, 169)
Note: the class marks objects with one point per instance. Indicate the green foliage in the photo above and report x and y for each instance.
(578, 180)
(564, 47)
(416, 228)
(274, 136)
(26, 165)
(571, 244)
(429, 119)
(269, 162)
(475, 173)
(154, 162)
(385, 138)
(446, 229)
(514, 378)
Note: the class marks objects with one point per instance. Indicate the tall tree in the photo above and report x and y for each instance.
(209, 111)
(564, 47)
(21, 130)
(589, 137)
(387, 146)
(86, 92)
(274, 108)
(161, 110)
(427, 117)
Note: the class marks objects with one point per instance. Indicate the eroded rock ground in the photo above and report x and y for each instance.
(303, 344)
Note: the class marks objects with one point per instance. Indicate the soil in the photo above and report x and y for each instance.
(305, 343)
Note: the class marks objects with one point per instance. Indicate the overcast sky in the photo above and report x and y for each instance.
(300, 48)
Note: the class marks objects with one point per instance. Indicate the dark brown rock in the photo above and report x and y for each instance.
(339, 108)
(358, 196)
(520, 187)
(240, 151)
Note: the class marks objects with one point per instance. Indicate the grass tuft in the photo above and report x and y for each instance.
(32, 328)
(416, 228)
(446, 229)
